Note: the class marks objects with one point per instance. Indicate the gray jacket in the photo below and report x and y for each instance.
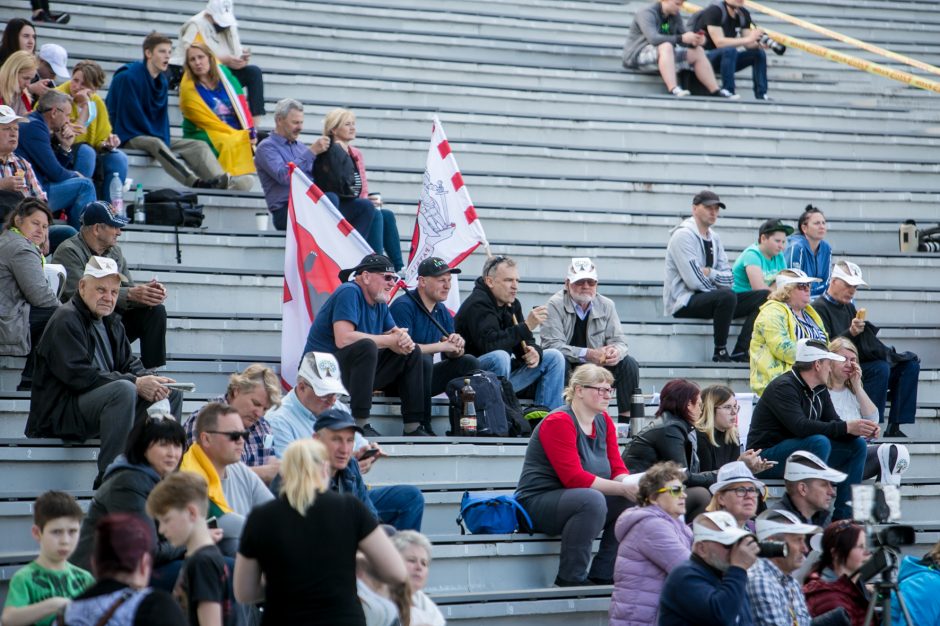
(685, 259)
(646, 29)
(603, 326)
(22, 284)
(73, 254)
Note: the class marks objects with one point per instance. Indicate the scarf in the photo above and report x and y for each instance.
(196, 461)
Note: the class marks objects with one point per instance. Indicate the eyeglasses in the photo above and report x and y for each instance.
(675, 492)
(585, 282)
(389, 278)
(742, 492)
(233, 435)
(801, 286)
(734, 409)
(604, 391)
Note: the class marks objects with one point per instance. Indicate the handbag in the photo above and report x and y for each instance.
(488, 514)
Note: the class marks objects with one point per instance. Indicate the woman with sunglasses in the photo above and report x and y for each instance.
(573, 480)
(653, 540)
(717, 432)
(784, 319)
(737, 492)
(154, 449)
(833, 582)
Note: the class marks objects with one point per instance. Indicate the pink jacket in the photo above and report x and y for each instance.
(356, 155)
(652, 543)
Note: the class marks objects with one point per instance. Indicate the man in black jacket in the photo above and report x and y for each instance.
(796, 413)
(489, 321)
(87, 382)
(886, 374)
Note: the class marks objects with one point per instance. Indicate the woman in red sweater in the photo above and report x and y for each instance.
(572, 481)
(831, 584)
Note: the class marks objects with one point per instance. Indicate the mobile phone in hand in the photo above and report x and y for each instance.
(368, 454)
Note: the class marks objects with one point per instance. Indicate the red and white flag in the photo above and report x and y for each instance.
(320, 242)
(447, 225)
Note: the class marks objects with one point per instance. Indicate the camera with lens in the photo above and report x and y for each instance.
(776, 46)
(772, 549)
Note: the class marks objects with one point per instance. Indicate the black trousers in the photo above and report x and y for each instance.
(626, 379)
(723, 305)
(437, 375)
(251, 79)
(147, 323)
(364, 367)
(38, 318)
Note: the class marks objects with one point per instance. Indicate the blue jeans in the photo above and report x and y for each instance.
(402, 506)
(846, 455)
(727, 61)
(549, 374)
(71, 196)
(897, 383)
(384, 238)
(112, 162)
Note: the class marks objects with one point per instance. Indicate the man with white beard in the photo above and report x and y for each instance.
(584, 326)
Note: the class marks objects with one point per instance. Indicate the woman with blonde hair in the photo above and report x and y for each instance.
(573, 480)
(15, 75)
(717, 432)
(215, 110)
(784, 319)
(307, 524)
(415, 549)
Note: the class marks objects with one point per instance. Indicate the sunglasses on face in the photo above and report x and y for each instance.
(675, 492)
(233, 435)
(389, 278)
(801, 286)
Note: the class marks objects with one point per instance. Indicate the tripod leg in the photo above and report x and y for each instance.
(870, 613)
(904, 612)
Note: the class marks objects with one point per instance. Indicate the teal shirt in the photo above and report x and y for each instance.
(753, 256)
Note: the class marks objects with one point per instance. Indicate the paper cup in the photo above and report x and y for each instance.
(261, 221)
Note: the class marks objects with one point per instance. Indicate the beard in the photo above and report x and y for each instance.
(581, 300)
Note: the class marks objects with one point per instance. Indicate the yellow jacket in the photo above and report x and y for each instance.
(100, 128)
(773, 343)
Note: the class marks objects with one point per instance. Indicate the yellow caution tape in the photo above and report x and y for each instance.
(846, 59)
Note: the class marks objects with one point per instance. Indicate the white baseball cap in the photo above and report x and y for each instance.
(734, 472)
(101, 266)
(728, 532)
(57, 58)
(777, 521)
(321, 370)
(581, 268)
(807, 353)
(222, 12)
(802, 465)
(8, 115)
(852, 274)
(798, 277)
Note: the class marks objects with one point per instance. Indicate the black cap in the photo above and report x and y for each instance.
(773, 226)
(335, 419)
(100, 212)
(369, 263)
(435, 266)
(708, 198)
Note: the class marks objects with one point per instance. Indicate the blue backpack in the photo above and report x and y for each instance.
(487, 514)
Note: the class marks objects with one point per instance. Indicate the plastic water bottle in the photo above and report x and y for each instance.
(117, 195)
(140, 211)
(468, 417)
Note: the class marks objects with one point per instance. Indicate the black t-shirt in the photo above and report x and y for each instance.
(309, 561)
(731, 27)
(157, 609)
(204, 578)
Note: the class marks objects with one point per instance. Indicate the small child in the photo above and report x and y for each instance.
(179, 504)
(39, 590)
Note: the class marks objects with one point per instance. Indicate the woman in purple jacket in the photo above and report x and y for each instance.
(653, 540)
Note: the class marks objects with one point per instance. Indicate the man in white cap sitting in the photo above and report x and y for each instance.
(776, 597)
(886, 373)
(810, 487)
(584, 326)
(87, 382)
(710, 588)
(796, 413)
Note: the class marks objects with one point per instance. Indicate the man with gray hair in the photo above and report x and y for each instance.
(66, 190)
(281, 148)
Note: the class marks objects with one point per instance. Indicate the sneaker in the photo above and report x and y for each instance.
(741, 357)
(721, 356)
(724, 93)
(241, 183)
(894, 460)
(679, 92)
(764, 98)
(427, 425)
(894, 431)
(368, 432)
(417, 432)
(219, 182)
(52, 18)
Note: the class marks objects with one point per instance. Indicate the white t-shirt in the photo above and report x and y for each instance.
(424, 612)
(847, 406)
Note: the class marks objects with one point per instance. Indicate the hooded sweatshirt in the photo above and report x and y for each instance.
(685, 260)
(919, 580)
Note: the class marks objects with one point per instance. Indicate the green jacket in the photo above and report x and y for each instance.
(773, 343)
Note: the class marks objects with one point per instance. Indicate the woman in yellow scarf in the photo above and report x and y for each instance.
(215, 110)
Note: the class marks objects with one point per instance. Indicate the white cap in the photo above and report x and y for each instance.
(734, 472)
(57, 58)
(807, 353)
(221, 12)
(101, 266)
(321, 370)
(8, 115)
(728, 532)
(581, 268)
(853, 276)
(784, 278)
(802, 465)
(777, 522)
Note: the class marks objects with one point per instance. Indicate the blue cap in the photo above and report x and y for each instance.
(336, 419)
(100, 212)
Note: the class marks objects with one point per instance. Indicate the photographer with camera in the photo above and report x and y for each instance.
(710, 588)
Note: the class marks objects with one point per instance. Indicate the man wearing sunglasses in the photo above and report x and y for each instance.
(355, 325)
(584, 326)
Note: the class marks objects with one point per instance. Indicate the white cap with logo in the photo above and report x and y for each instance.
(581, 268)
(101, 266)
(803, 465)
(779, 522)
(221, 12)
(321, 370)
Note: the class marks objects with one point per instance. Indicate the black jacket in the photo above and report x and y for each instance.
(668, 438)
(789, 409)
(334, 171)
(485, 326)
(837, 318)
(65, 369)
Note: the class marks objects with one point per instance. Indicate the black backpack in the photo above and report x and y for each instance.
(491, 411)
(169, 207)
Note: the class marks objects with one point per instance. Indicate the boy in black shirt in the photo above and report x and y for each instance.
(179, 504)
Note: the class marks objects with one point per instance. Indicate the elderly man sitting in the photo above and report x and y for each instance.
(86, 381)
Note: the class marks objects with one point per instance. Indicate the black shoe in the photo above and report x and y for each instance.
(219, 182)
(721, 356)
(368, 431)
(25, 385)
(427, 428)
(417, 432)
(53, 18)
(894, 431)
(740, 357)
(594, 580)
(561, 582)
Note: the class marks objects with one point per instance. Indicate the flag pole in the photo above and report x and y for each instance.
(423, 308)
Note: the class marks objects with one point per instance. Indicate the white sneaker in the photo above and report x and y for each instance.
(679, 92)
(765, 98)
(724, 93)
